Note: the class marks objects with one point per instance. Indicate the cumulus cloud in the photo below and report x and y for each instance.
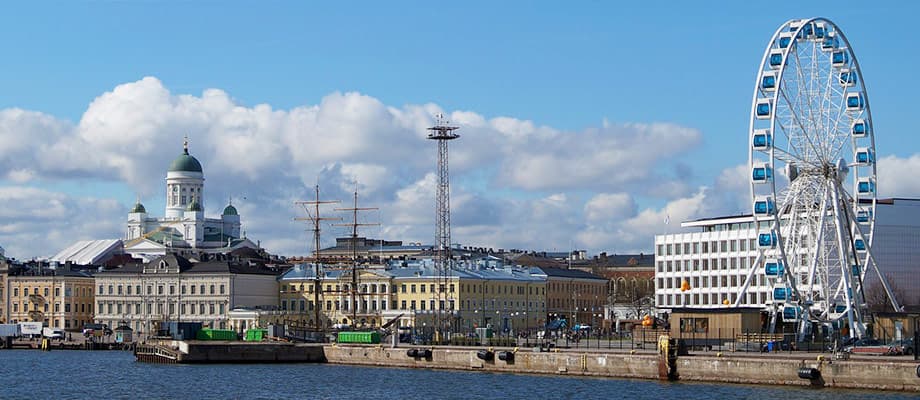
(516, 184)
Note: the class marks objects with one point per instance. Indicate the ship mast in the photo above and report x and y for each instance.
(314, 217)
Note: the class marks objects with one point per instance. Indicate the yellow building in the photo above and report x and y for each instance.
(506, 298)
(59, 298)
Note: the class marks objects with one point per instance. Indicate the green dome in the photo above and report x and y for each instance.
(185, 163)
(139, 208)
(230, 210)
(194, 206)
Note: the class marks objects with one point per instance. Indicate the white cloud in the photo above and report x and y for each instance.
(515, 184)
(895, 179)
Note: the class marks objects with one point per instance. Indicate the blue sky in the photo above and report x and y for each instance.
(567, 67)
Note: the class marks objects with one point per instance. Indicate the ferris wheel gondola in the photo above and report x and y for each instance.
(813, 178)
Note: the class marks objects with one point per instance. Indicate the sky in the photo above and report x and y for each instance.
(584, 125)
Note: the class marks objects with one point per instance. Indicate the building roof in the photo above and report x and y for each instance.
(185, 163)
(570, 273)
(139, 208)
(185, 266)
(230, 210)
(89, 252)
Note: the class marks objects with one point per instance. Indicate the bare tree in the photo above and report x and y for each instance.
(877, 300)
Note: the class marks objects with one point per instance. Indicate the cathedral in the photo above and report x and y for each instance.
(183, 229)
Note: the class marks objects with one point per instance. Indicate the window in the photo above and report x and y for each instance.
(412, 304)
(182, 290)
(423, 305)
(423, 289)
(120, 289)
(128, 289)
(138, 288)
(212, 289)
(111, 289)
(413, 291)
(172, 289)
(222, 307)
(202, 289)
(201, 309)
(222, 289)
(211, 308)
(402, 305)
(193, 289)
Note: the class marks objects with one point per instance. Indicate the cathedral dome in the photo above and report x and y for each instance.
(230, 210)
(139, 208)
(185, 163)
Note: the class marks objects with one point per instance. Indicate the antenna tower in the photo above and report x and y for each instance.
(354, 253)
(442, 132)
(313, 217)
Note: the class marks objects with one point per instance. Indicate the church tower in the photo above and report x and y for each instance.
(184, 185)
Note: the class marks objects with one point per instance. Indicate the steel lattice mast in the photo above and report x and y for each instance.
(442, 132)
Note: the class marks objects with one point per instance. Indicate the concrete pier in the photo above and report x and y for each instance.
(748, 368)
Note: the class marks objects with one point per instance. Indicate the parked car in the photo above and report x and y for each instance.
(871, 346)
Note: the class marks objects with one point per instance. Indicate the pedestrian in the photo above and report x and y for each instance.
(69, 337)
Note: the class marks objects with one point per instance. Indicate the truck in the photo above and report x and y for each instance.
(53, 333)
(9, 330)
(30, 329)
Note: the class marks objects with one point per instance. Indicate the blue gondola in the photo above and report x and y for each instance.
(762, 139)
(860, 128)
(762, 174)
(784, 41)
(774, 268)
(820, 31)
(807, 31)
(859, 245)
(855, 269)
(776, 59)
(763, 109)
(865, 186)
(829, 43)
(863, 216)
(864, 156)
(768, 82)
(782, 293)
(764, 206)
(840, 58)
(855, 102)
(847, 78)
(791, 313)
(766, 240)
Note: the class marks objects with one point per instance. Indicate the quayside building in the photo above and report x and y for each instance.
(715, 259)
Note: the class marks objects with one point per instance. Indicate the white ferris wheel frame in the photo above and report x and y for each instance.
(815, 298)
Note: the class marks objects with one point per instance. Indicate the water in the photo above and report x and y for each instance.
(30, 374)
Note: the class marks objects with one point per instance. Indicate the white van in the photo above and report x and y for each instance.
(53, 333)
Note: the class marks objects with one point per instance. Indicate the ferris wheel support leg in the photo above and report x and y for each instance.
(813, 268)
(870, 259)
(750, 277)
(854, 317)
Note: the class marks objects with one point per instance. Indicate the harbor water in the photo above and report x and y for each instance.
(29, 374)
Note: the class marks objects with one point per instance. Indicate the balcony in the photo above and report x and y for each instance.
(36, 315)
(37, 299)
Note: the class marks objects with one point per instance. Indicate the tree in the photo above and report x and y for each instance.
(876, 298)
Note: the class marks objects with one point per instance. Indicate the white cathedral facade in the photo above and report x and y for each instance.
(184, 229)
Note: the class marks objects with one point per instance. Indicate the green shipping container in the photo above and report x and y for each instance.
(359, 337)
(255, 335)
(216, 334)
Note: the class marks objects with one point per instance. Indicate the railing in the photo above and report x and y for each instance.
(37, 299)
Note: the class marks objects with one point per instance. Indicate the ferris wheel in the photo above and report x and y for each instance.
(813, 179)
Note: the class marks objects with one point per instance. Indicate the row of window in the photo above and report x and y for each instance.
(698, 299)
(77, 307)
(68, 292)
(138, 308)
(430, 288)
(721, 281)
(705, 247)
(185, 289)
(706, 264)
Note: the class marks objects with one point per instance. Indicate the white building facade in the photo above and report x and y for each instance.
(715, 259)
(171, 288)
